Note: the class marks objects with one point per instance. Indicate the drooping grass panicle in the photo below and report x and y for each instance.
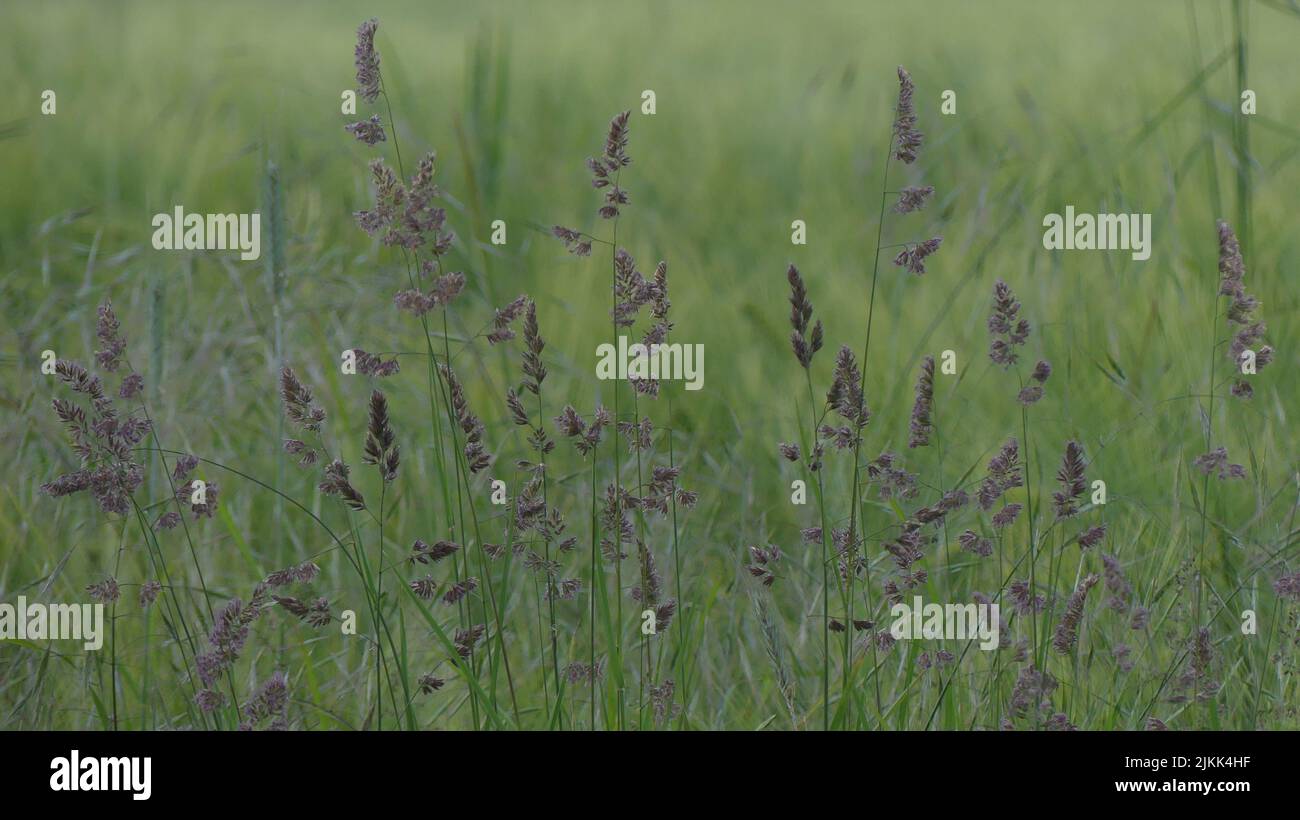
(369, 364)
(577, 243)
(1031, 393)
(335, 482)
(296, 447)
(314, 613)
(1216, 462)
(303, 573)
(763, 561)
(913, 198)
(299, 403)
(1092, 536)
(1042, 372)
(149, 591)
(466, 639)
(457, 592)
(518, 413)
(424, 588)
(423, 553)
(369, 131)
(504, 318)
(106, 591)
(912, 257)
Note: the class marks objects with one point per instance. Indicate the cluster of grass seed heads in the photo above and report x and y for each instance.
(369, 364)
(367, 61)
(913, 256)
(922, 425)
(381, 447)
(1007, 329)
(907, 140)
(1073, 485)
(1003, 475)
(763, 562)
(441, 292)
(335, 482)
(847, 399)
(1216, 462)
(913, 198)
(805, 343)
(577, 243)
(605, 168)
(504, 318)
(1031, 393)
(1067, 631)
(369, 131)
(1241, 310)
(585, 437)
(407, 216)
(102, 438)
(476, 455)
(657, 333)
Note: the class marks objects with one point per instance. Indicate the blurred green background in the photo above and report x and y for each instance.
(766, 113)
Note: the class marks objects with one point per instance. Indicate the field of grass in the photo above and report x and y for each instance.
(765, 113)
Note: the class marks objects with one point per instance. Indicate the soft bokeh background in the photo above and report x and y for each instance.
(767, 112)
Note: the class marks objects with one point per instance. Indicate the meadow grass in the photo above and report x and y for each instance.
(765, 114)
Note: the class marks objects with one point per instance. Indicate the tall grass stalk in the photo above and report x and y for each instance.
(846, 681)
(617, 660)
(273, 209)
(825, 562)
